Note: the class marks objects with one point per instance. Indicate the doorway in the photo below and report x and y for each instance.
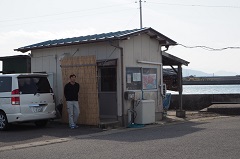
(107, 91)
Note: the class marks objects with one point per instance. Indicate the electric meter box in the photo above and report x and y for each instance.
(128, 95)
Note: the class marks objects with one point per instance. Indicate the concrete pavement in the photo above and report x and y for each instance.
(225, 108)
(58, 133)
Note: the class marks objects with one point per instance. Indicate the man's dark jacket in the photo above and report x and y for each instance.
(71, 91)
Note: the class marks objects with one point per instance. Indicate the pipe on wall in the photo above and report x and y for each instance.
(123, 109)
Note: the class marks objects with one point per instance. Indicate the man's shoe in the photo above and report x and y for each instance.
(76, 126)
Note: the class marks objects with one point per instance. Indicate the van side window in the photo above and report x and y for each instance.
(33, 85)
(5, 84)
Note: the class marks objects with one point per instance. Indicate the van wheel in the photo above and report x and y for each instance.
(3, 121)
(41, 123)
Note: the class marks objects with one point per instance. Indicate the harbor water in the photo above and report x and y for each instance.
(210, 89)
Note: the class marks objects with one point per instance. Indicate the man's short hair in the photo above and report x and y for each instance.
(72, 75)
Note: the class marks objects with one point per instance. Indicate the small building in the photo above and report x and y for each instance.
(16, 64)
(124, 63)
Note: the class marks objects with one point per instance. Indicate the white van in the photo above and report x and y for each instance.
(25, 97)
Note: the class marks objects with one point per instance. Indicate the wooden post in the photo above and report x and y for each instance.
(180, 113)
(180, 86)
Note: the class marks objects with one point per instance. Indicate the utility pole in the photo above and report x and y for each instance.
(140, 4)
(140, 7)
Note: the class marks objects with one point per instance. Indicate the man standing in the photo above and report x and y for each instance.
(71, 90)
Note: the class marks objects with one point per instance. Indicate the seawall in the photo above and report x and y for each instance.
(201, 101)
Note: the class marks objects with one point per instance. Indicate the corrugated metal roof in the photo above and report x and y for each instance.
(15, 57)
(169, 59)
(119, 35)
(169, 72)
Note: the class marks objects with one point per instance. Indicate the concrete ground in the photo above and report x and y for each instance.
(206, 139)
(28, 135)
(224, 108)
(213, 110)
(190, 115)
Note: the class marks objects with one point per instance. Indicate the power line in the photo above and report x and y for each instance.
(195, 5)
(210, 48)
(56, 14)
(131, 19)
(64, 18)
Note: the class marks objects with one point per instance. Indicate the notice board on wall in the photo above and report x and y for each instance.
(138, 78)
(134, 78)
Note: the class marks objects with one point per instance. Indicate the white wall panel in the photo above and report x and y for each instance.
(145, 47)
(128, 55)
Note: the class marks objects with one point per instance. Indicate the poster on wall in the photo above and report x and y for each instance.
(149, 78)
(149, 81)
(136, 76)
(129, 78)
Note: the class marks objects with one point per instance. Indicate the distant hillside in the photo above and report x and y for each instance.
(189, 72)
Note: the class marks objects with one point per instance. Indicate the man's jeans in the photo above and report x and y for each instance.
(73, 112)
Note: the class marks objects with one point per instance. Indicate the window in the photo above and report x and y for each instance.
(108, 79)
(33, 85)
(5, 84)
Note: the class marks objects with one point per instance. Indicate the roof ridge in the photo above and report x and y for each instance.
(104, 33)
(116, 35)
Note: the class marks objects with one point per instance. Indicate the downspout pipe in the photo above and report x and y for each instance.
(123, 109)
(167, 46)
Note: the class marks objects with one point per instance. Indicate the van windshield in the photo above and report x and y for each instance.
(33, 85)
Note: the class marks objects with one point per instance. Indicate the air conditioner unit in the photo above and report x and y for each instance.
(145, 112)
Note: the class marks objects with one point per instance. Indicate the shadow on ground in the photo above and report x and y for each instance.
(154, 133)
(28, 132)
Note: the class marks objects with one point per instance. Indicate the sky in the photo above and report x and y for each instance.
(211, 23)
